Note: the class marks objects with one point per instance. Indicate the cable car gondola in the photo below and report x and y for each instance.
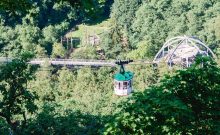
(123, 80)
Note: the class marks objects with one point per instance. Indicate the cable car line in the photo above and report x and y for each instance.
(180, 50)
(80, 62)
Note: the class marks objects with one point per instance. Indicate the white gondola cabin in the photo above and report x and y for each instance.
(123, 81)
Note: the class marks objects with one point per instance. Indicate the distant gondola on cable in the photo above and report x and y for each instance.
(123, 79)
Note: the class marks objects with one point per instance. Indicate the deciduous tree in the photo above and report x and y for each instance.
(16, 99)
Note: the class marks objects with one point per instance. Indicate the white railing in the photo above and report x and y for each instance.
(76, 62)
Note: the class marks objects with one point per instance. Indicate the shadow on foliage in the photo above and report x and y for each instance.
(184, 103)
(51, 121)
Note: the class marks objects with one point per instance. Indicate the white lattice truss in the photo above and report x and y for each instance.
(182, 51)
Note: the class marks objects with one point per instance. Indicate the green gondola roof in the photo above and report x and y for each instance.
(124, 76)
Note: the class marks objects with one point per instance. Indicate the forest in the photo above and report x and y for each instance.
(63, 100)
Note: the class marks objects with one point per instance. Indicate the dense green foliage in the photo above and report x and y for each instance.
(80, 100)
(15, 10)
(16, 99)
(152, 22)
(44, 23)
(185, 103)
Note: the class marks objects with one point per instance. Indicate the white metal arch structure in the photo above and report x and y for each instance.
(182, 50)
